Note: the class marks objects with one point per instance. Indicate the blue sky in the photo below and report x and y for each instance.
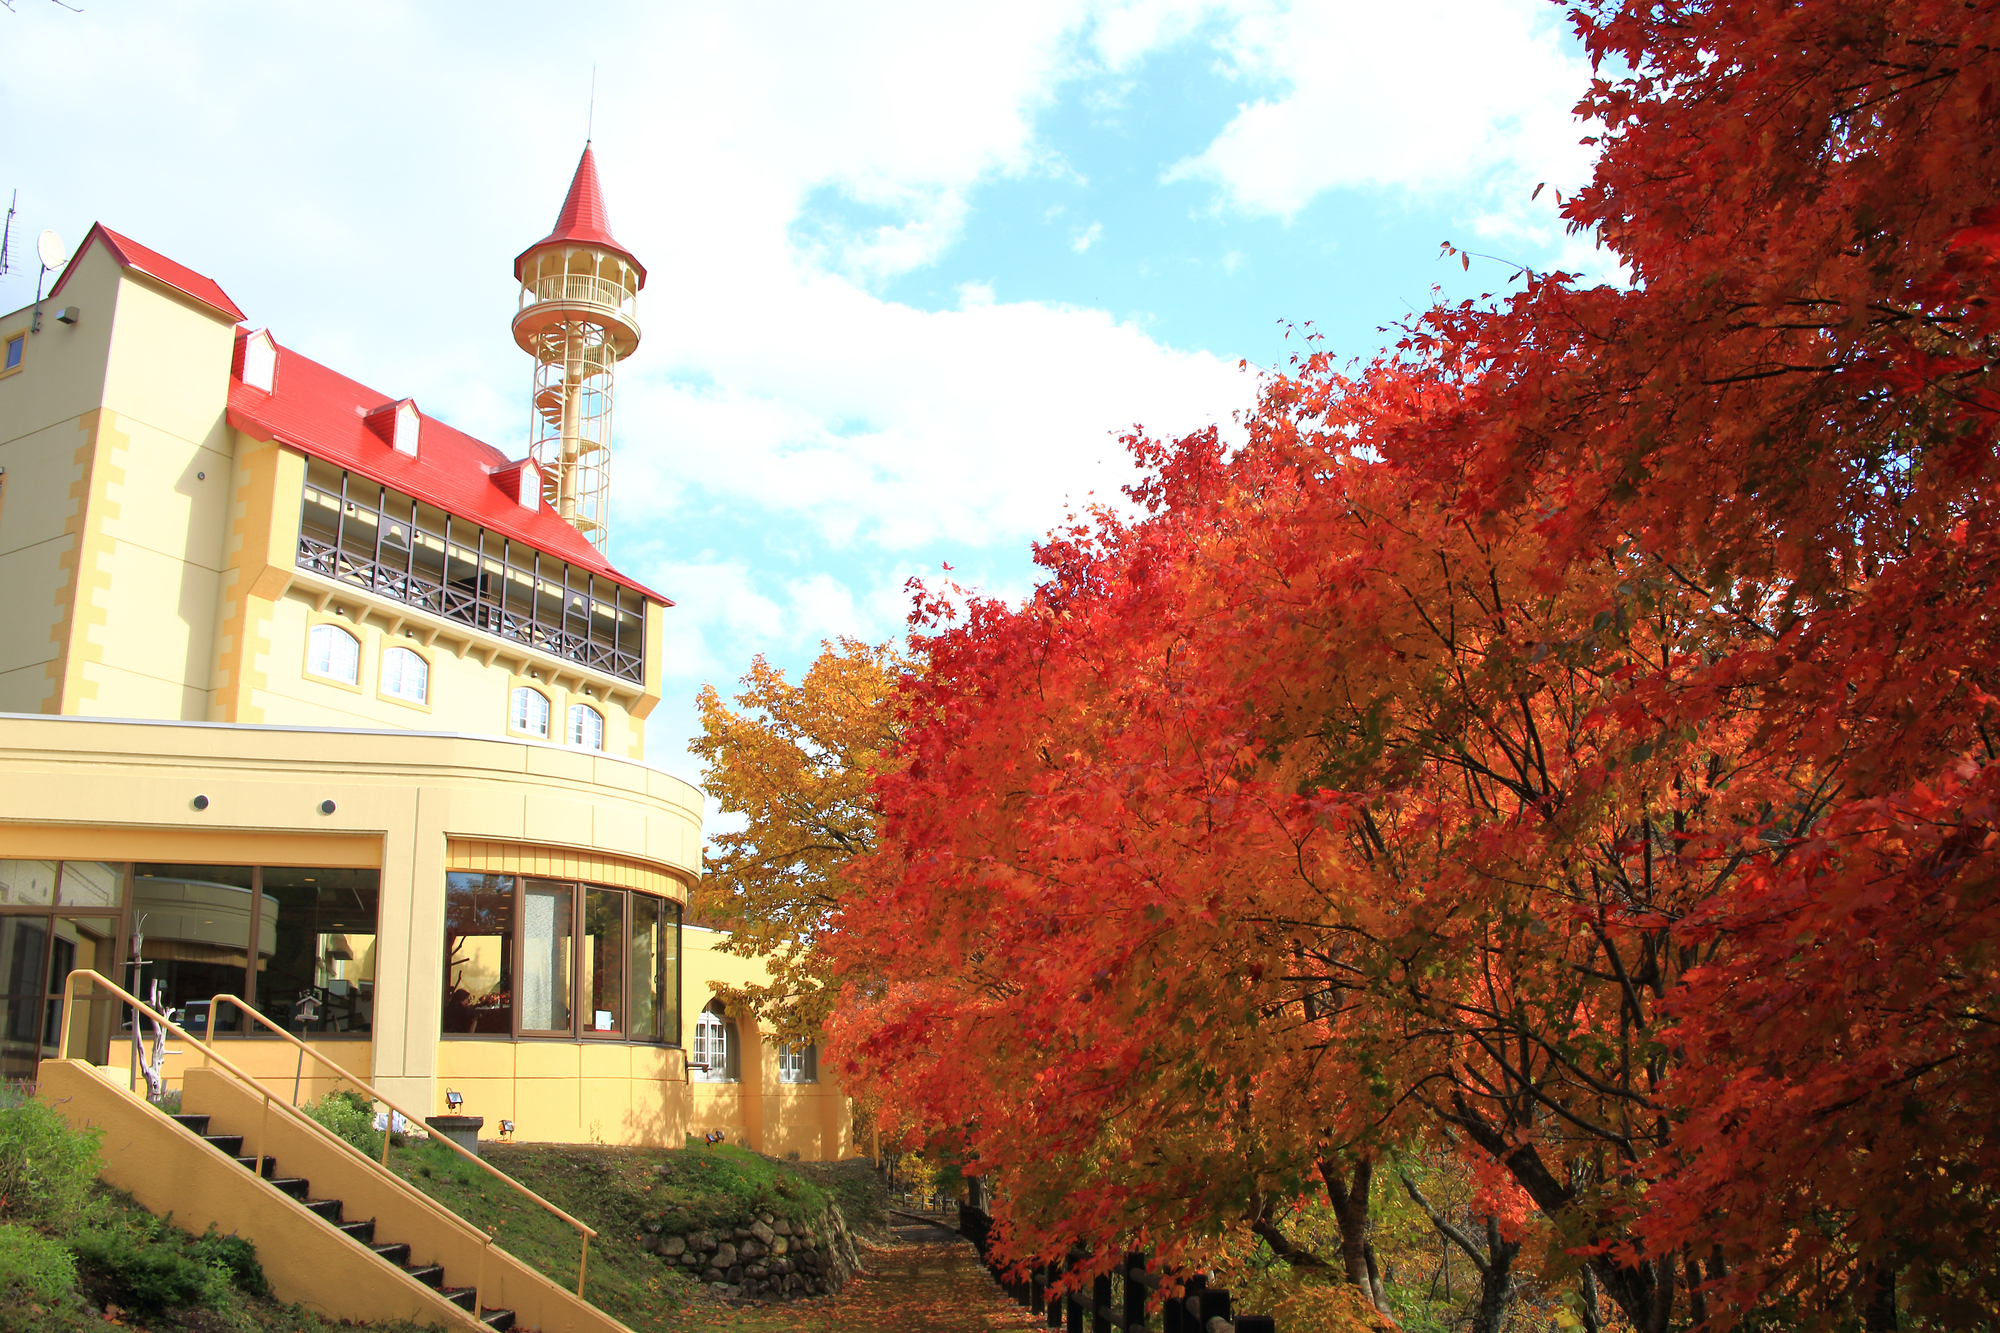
(912, 266)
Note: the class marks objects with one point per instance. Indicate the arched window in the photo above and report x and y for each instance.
(529, 711)
(798, 1062)
(714, 1057)
(333, 653)
(406, 676)
(586, 727)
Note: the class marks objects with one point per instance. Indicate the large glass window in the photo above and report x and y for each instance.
(546, 931)
(604, 960)
(194, 925)
(27, 883)
(655, 971)
(535, 957)
(479, 954)
(323, 946)
(373, 537)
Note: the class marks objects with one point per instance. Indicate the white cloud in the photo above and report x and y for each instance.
(1424, 95)
(1087, 237)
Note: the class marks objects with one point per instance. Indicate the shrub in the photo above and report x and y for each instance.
(351, 1116)
(149, 1276)
(46, 1168)
(234, 1256)
(30, 1260)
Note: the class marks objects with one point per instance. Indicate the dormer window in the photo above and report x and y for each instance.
(259, 367)
(397, 424)
(528, 494)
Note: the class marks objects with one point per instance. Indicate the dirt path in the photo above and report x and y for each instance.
(931, 1281)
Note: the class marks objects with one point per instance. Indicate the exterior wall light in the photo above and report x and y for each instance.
(326, 807)
(200, 803)
(453, 1100)
(69, 314)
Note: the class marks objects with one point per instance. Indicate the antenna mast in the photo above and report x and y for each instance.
(7, 234)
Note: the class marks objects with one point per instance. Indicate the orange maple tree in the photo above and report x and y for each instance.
(1568, 740)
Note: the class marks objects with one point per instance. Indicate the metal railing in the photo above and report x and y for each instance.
(468, 608)
(210, 1057)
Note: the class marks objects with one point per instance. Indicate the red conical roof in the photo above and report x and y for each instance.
(583, 220)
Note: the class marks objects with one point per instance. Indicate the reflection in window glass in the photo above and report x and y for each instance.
(479, 954)
(92, 884)
(196, 926)
(323, 945)
(27, 883)
(82, 942)
(604, 959)
(655, 973)
(334, 653)
(546, 926)
(24, 944)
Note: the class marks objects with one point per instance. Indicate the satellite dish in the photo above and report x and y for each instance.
(50, 248)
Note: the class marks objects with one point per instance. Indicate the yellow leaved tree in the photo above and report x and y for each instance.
(794, 761)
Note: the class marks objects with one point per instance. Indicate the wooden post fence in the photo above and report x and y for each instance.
(1199, 1308)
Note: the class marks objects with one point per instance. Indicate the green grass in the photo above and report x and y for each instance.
(621, 1193)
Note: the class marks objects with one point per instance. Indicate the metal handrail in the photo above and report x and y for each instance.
(583, 1229)
(209, 1055)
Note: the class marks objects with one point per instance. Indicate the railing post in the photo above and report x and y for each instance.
(1135, 1290)
(69, 998)
(263, 1133)
(582, 1261)
(1100, 1303)
(1055, 1303)
(479, 1287)
(1214, 1305)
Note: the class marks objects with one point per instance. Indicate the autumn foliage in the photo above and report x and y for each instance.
(1566, 742)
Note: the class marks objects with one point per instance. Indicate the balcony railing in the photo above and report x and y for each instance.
(465, 604)
(577, 287)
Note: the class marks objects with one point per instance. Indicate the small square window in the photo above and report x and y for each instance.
(17, 347)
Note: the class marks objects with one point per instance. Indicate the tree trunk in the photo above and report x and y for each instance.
(1879, 1316)
(1349, 1197)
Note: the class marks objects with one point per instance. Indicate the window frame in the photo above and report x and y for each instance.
(7, 340)
(382, 677)
(580, 1006)
(798, 1063)
(335, 627)
(575, 712)
(514, 692)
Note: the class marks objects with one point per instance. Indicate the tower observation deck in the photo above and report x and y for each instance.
(578, 318)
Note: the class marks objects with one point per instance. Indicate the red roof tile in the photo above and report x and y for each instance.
(583, 219)
(130, 254)
(324, 414)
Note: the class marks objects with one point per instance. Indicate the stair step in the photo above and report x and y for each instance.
(397, 1254)
(361, 1231)
(296, 1186)
(270, 1165)
(462, 1297)
(229, 1143)
(197, 1123)
(326, 1208)
(500, 1320)
(431, 1275)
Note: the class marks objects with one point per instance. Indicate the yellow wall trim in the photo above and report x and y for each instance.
(209, 846)
(513, 858)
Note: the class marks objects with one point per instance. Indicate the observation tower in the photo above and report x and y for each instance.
(578, 318)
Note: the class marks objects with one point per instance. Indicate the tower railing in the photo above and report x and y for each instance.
(579, 287)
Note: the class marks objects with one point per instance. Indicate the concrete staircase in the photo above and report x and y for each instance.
(332, 1212)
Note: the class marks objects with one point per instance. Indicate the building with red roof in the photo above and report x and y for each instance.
(310, 696)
